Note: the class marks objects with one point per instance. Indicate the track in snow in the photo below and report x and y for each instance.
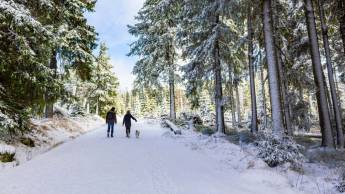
(153, 164)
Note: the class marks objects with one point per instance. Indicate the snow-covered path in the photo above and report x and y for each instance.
(153, 164)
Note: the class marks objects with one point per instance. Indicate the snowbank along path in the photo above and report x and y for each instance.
(152, 164)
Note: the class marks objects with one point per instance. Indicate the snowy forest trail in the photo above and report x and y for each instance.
(152, 164)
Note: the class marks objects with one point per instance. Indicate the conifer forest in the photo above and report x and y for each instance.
(248, 84)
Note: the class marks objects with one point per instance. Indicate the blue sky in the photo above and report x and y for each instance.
(111, 19)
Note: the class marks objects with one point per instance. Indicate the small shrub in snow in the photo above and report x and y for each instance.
(12, 121)
(7, 157)
(277, 151)
(28, 142)
(77, 110)
(60, 112)
(341, 186)
(185, 116)
(180, 123)
(6, 122)
(197, 120)
(7, 153)
(164, 124)
(204, 129)
(164, 117)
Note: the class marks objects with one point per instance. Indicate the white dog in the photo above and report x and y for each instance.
(137, 133)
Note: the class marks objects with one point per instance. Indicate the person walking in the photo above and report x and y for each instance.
(111, 121)
(127, 122)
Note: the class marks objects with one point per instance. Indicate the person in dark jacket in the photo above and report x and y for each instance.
(111, 121)
(127, 122)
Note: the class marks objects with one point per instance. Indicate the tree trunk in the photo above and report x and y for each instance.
(337, 114)
(49, 108)
(219, 95)
(171, 71)
(238, 103)
(88, 108)
(263, 95)
(341, 18)
(84, 102)
(324, 117)
(285, 100)
(254, 127)
(231, 96)
(172, 95)
(281, 72)
(337, 87)
(300, 93)
(217, 70)
(310, 101)
(97, 107)
(329, 101)
(277, 118)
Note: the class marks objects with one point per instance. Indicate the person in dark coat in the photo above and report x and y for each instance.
(111, 121)
(127, 122)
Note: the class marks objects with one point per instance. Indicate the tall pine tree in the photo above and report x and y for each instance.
(156, 48)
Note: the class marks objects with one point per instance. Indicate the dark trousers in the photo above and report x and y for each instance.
(111, 129)
(128, 131)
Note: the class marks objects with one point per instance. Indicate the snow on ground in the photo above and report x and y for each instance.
(47, 134)
(156, 163)
(315, 178)
(7, 149)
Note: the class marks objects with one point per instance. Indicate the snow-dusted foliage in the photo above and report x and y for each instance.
(7, 149)
(206, 108)
(104, 83)
(205, 32)
(77, 110)
(96, 95)
(278, 150)
(34, 34)
(12, 118)
(301, 118)
(156, 47)
(205, 27)
(20, 15)
(6, 122)
(11, 124)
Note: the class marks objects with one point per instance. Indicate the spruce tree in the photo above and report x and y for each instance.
(204, 35)
(105, 83)
(75, 41)
(155, 31)
(25, 43)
